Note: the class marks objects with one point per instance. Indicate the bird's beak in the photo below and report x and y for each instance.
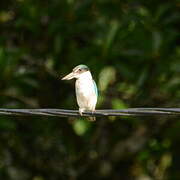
(69, 76)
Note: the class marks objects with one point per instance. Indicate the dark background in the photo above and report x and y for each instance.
(133, 51)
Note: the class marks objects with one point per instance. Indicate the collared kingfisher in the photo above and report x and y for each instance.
(86, 89)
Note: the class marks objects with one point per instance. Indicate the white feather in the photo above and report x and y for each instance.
(85, 92)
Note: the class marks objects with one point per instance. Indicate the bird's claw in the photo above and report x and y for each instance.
(81, 111)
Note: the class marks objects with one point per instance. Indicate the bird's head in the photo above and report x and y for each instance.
(78, 72)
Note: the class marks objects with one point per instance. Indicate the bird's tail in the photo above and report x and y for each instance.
(91, 119)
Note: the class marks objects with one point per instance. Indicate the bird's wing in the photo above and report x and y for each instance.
(95, 88)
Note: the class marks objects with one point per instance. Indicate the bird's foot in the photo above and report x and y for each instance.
(81, 110)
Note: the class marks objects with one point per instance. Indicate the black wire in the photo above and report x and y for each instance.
(104, 112)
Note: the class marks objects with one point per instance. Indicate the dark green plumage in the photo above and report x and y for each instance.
(81, 67)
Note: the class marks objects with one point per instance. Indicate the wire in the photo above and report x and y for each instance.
(104, 112)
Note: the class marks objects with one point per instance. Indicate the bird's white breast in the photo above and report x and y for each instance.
(85, 93)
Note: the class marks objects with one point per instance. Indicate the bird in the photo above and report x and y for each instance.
(85, 88)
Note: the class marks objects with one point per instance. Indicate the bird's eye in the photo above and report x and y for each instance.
(80, 70)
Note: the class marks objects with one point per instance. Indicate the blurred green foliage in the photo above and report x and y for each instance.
(133, 51)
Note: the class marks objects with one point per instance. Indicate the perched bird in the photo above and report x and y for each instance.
(86, 89)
